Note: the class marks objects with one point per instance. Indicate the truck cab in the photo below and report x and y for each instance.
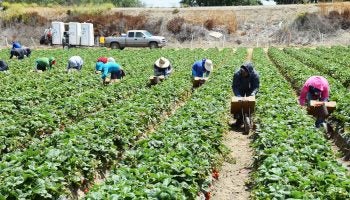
(135, 38)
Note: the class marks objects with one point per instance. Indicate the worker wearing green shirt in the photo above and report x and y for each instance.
(43, 64)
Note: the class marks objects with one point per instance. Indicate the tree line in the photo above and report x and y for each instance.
(241, 2)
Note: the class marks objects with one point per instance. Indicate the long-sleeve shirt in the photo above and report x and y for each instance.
(109, 67)
(198, 69)
(75, 62)
(43, 63)
(99, 66)
(317, 82)
(246, 86)
(162, 71)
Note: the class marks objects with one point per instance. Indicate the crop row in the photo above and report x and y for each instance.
(336, 54)
(176, 161)
(316, 60)
(293, 159)
(70, 159)
(341, 52)
(298, 73)
(24, 122)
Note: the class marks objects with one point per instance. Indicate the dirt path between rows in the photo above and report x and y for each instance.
(235, 173)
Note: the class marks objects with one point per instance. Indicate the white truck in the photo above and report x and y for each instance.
(135, 38)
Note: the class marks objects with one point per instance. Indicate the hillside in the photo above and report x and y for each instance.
(247, 26)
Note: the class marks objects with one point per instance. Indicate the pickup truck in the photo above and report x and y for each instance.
(135, 38)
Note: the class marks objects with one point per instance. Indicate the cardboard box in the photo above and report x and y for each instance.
(315, 108)
(247, 103)
(198, 81)
(156, 79)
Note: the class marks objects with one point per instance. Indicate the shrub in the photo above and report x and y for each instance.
(209, 24)
(175, 25)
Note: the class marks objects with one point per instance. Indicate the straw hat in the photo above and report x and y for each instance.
(162, 62)
(208, 65)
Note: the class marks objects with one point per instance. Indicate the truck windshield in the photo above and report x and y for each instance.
(148, 34)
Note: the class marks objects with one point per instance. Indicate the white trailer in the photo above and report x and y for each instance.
(57, 32)
(70, 34)
(87, 34)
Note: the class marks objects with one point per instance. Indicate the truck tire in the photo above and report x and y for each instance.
(115, 45)
(153, 45)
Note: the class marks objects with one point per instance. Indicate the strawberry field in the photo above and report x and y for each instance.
(67, 136)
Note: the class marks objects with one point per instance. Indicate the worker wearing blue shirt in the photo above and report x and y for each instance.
(16, 45)
(202, 68)
(98, 67)
(113, 68)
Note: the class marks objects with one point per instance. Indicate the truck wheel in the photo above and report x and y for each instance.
(153, 45)
(115, 45)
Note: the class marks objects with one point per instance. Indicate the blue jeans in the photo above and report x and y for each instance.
(116, 75)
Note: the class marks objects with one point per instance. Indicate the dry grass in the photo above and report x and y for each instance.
(215, 18)
(340, 7)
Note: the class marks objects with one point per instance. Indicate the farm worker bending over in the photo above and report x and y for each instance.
(20, 52)
(113, 68)
(3, 66)
(202, 68)
(42, 64)
(315, 88)
(246, 82)
(162, 67)
(75, 62)
(99, 64)
(16, 45)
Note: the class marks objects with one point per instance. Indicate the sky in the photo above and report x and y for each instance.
(161, 3)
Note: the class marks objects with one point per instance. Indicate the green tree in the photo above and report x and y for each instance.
(218, 2)
(119, 3)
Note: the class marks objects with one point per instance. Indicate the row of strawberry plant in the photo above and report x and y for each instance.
(293, 159)
(336, 54)
(176, 160)
(71, 158)
(298, 73)
(60, 83)
(314, 59)
(45, 119)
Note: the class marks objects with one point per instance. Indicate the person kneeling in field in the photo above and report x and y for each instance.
(3, 66)
(162, 67)
(202, 68)
(246, 82)
(43, 64)
(20, 52)
(315, 88)
(75, 63)
(114, 69)
(99, 64)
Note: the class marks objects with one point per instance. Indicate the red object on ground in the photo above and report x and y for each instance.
(207, 196)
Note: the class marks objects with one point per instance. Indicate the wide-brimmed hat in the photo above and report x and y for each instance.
(208, 64)
(162, 62)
